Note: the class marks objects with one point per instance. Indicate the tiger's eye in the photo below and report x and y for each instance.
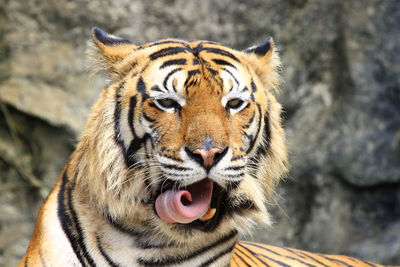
(234, 103)
(167, 103)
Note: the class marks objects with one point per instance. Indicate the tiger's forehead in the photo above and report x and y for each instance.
(177, 65)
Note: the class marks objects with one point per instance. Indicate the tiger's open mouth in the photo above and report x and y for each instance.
(198, 205)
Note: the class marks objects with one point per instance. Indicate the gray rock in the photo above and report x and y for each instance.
(341, 97)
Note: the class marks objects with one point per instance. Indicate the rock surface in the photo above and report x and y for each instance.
(341, 97)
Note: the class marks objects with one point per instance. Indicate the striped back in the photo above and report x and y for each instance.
(255, 254)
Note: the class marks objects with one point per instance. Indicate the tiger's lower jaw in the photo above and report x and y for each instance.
(213, 206)
(218, 199)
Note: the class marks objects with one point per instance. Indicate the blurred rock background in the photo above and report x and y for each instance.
(341, 97)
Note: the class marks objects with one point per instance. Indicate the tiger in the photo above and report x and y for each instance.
(179, 156)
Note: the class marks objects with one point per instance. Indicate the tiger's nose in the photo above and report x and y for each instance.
(207, 157)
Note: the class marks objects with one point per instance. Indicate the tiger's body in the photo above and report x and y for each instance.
(179, 155)
(255, 254)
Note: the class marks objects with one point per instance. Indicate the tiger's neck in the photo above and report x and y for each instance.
(98, 238)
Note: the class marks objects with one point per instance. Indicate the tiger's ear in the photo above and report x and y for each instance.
(263, 49)
(108, 51)
(265, 62)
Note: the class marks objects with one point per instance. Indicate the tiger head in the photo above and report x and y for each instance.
(187, 136)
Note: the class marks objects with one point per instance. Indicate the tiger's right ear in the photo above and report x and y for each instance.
(108, 51)
(265, 62)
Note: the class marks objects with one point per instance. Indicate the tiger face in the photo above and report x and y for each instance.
(199, 130)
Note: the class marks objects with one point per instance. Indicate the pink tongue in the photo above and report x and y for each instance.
(171, 208)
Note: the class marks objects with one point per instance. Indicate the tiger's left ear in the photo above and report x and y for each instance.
(265, 62)
(108, 51)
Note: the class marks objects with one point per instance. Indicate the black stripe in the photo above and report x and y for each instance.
(181, 258)
(253, 90)
(237, 158)
(117, 225)
(253, 140)
(213, 72)
(171, 157)
(176, 175)
(171, 62)
(233, 76)
(66, 221)
(244, 89)
(193, 72)
(196, 50)
(237, 255)
(169, 75)
(267, 131)
(247, 126)
(149, 246)
(167, 52)
(246, 204)
(234, 259)
(136, 142)
(147, 118)
(66, 224)
(195, 61)
(174, 167)
(219, 255)
(253, 87)
(278, 254)
(156, 88)
(223, 62)
(153, 105)
(141, 88)
(276, 261)
(240, 174)
(293, 252)
(134, 147)
(306, 255)
(26, 261)
(335, 260)
(235, 168)
(247, 256)
(366, 262)
(164, 42)
(78, 229)
(103, 252)
(190, 82)
(262, 150)
(221, 52)
(255, 254)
